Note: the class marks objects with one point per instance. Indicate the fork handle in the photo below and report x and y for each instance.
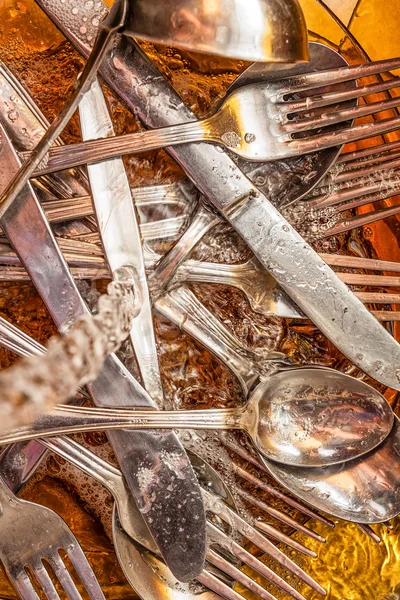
(203, 221)
(92, 151)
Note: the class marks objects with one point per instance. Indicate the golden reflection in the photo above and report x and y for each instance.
(349, 566)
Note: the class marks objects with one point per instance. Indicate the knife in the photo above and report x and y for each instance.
(310, 282)
(119, 233)
(143, 457)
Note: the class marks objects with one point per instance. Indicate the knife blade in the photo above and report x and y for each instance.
(310, 282)
(180, 534)
(119, 233)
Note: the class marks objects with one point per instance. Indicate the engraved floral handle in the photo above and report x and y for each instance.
(183, 308)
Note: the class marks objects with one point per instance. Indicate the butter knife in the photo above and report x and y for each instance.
(298, 269)
(119, 233)
(183, 547)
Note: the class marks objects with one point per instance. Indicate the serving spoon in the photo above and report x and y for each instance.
(365, 490)
(304, 417)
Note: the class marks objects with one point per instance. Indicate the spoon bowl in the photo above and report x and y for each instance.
(365, 490)
(316, 416)
(267, 30)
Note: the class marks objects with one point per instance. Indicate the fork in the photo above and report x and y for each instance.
(113, 480)
(288, 127)
(262, 292)
(31, 537)
(265, 296)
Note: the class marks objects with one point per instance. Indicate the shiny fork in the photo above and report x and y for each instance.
(113, 480)
(261, 290)
(31, 537)
(360, 178)
(289, 127)
(266, 297)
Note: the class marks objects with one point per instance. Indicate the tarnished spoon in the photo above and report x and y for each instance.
(304, 417)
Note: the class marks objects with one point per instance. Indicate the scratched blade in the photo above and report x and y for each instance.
(119, 232)
(151, 462)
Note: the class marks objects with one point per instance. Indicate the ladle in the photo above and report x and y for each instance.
(304, 417)
(267, 30)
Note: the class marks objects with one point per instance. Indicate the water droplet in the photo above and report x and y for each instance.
(75, 10)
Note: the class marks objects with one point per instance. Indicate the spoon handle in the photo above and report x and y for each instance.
(183, 308)
(92, 151)
(66, 419)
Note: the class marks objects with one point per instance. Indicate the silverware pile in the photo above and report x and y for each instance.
(181, 523)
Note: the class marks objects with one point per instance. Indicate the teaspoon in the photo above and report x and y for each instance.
(306, 417)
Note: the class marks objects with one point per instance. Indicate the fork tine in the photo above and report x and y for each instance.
(45, 581)
(378, 168)
(359, 262)
(340, 116)
(239, 552)
(285, 539)
(226, 567)
(325, 198)
(279, 515)
(63, 576)
(370, 532)
(376, 298)
(216, 585)
(386, 315)
(353, 157)
(330, 98)
(85, 572)
(24, 586)
(308, 81)
(359, 221)
(370, 199)
(372, 280)
(366, 167)
(281, 495)
(234, 520)
(342, 136)
(274, 512)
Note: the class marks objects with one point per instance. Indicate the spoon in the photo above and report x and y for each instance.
(364, 490)
(263, 30)
(305, 417)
